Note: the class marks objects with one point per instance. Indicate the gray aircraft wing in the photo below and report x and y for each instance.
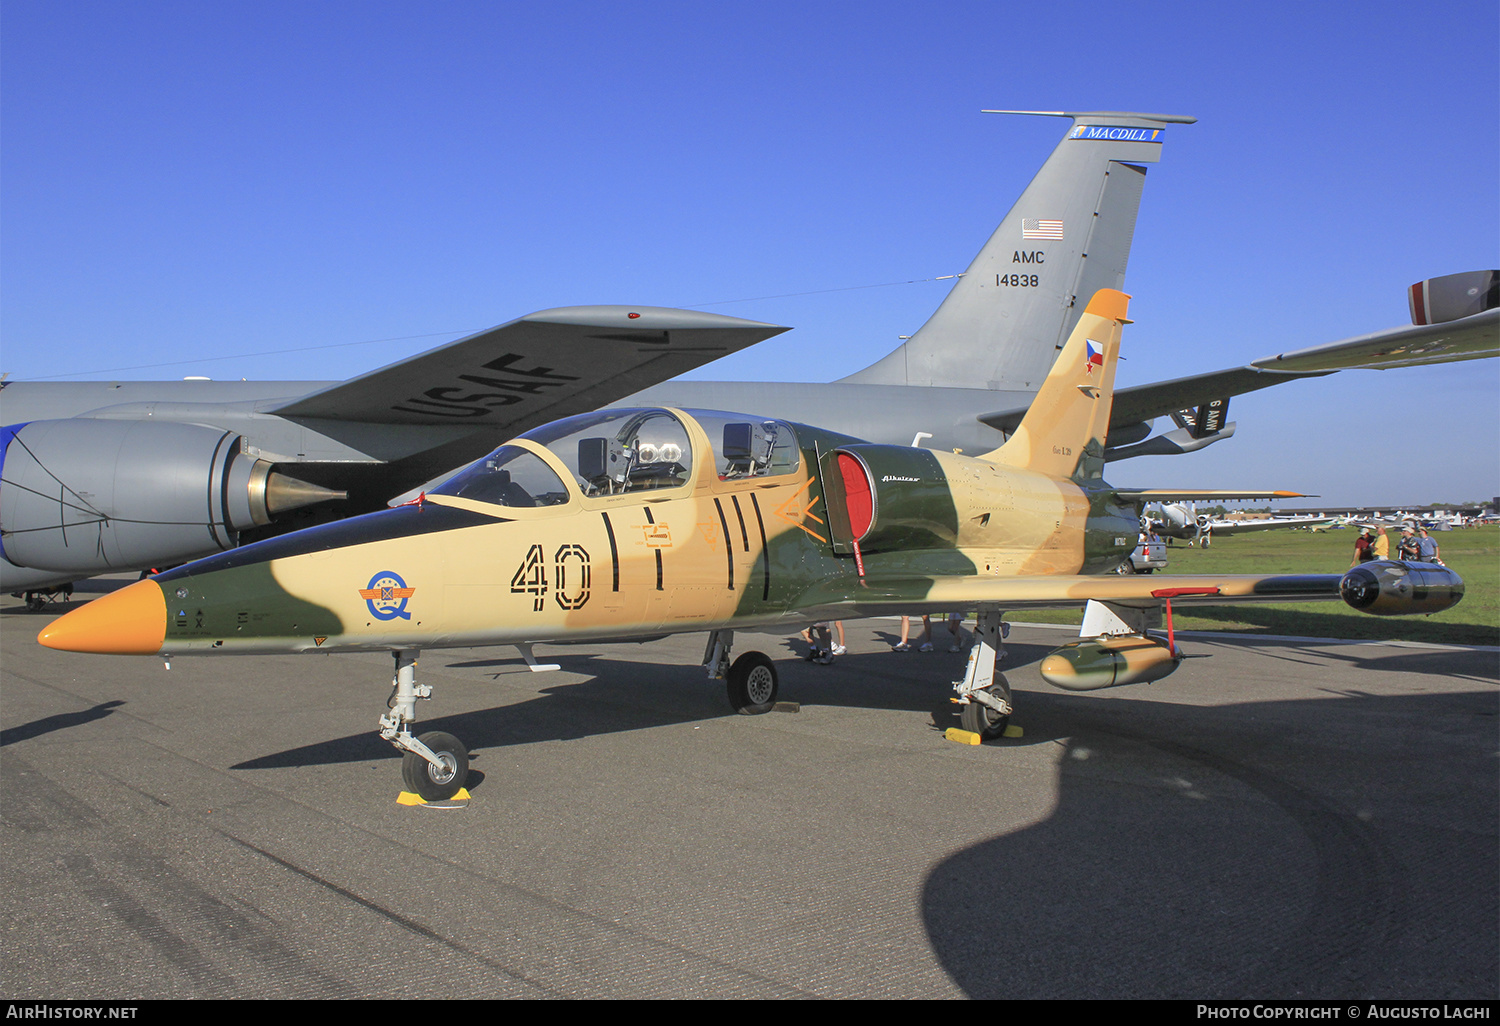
(535, 369)
(1471, 338)
(1142, 495)
(1219, 527)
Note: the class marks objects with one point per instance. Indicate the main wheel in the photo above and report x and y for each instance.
(752, 684)
(436, 783)
(982, 720)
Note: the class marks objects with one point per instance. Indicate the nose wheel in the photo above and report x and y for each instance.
(435, 765)
(435, 782)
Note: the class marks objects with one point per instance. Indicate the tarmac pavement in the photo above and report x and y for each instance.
(1277, 819)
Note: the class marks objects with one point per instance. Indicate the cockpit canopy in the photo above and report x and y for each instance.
(617, 452)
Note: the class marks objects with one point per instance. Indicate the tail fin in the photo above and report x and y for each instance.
(1067, 237)
(1062, 435)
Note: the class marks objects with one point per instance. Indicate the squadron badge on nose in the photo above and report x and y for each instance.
(386, 596)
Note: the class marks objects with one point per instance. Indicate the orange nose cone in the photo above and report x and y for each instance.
(131, 621)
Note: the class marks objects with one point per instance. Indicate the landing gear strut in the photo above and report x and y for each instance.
(37, 600)
(750, 682)
(983, 694)
(436, 764)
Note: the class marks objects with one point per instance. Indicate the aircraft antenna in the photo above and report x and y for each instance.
(1166, 119)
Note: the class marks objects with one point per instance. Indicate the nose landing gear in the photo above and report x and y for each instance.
(436, 765)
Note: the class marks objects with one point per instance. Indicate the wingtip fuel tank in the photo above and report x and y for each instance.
(1388, 587)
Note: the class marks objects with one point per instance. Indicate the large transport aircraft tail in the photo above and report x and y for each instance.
(1062, 435)
(1067, 237)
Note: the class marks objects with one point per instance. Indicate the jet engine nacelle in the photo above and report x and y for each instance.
(1388, 587)
(894, 496)
(1453, 296)
(92, 496)
(1095, 663)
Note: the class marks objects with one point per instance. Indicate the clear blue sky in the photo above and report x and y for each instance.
(181, 182)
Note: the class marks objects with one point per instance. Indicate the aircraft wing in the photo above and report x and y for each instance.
(1141, 403)
(1139, 495)
(919, 594)
(1241, 526)
(538, 368)
(1471, 338)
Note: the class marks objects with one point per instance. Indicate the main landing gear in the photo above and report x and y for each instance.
(984, 695)
(436, 764)
(37, 600)
(750, 681)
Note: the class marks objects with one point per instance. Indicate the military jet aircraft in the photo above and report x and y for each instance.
(640, 522)
(98, 477)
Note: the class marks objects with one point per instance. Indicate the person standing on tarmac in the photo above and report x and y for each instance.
(1427, 549)
(1362, 553)
(1408, 547)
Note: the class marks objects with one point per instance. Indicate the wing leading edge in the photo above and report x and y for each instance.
(1473, 338)
(918, 594)
(537, 368)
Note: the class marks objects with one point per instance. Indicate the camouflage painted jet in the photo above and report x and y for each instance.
(640, 522)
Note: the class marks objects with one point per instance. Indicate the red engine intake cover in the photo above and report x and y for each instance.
(857, 498)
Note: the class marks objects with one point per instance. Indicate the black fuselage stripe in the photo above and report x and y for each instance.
(398, 522)
(728, 548)
(614, 551)
(765, 550)
(744, 534)
(651, 520)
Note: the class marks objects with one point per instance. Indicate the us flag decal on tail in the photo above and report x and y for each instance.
(1040, 228)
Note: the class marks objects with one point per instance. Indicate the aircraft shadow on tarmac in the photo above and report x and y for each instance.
(1239, 851)
(607, 702)
(62, 721)
(1325, 625)
(1335, 848)
(676, 693)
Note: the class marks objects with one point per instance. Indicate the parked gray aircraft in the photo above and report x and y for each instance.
(1179, 520)
(98, 477)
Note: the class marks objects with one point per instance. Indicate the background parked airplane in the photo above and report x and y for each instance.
(1183, 521)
